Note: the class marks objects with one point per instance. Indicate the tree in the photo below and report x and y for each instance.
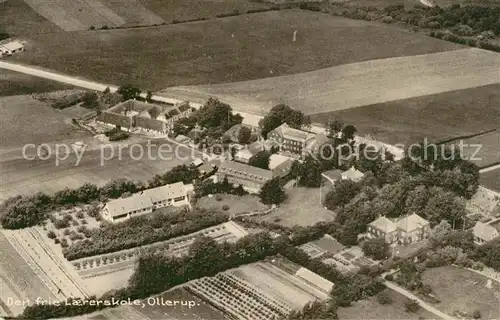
(310, 173)
(272, 192)
(215, 114)
(412, 305)
(377, 249)
(348, 132)
(440, 232)
(476, 314)
(333, 127)
(344, 191)
(244, 135)
(149, 97)
(129, 92)
(260, 160)
(280, 114)
(90, 100)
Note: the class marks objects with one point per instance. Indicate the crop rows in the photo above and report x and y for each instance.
(239, 298)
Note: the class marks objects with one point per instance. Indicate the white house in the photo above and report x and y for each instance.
(146, 201)
(352, 174)
(11, 48)
(483, 233)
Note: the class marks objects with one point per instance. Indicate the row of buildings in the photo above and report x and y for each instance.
(134, 114)
(147, 201)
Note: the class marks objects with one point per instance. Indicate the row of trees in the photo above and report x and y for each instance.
(141, 231)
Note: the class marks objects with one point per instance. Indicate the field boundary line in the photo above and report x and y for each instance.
(468, 136)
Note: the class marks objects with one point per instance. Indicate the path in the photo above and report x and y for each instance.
(495, 167)
(422, 303)
(248, 118)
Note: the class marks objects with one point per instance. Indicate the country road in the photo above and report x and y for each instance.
(423, 304)
(248, 118)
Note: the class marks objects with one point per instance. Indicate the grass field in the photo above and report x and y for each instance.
(237, 205)
(19, 20)
(26, 120)
(491, 180)
(14, 83)
(359, 84)
(436, 117)
(303, 207)
(238, 48)
(463, 290)
(371, 309)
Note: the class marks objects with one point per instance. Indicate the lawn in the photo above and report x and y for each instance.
(14, 83)
(371, 309)
(463, 290)
(237, 205)
(303, 207)
(435, 117)
(491, 179)
(239, 48)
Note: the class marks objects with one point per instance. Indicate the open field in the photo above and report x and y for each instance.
(463, 290)
(72, 15)
(435, 117)
(26, 120)
(491, 179)
(358, 84)
(303, 207)
(17, 279)
(371, 309)
(482, 150)
(18, 19)
(14, 83)
(22, 176)
(238, 48)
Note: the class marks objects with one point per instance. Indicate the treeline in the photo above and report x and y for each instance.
(4, 35)
(26, 211)
(458, 20)
(142, 230)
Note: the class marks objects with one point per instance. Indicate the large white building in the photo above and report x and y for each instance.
(146, 201)
(11, 48)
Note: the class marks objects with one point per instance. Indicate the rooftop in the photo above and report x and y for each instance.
(485, 231)
(411, 222)
(13, 45)
(294, 134)
(353, 174)
(237, 167)
(277, 159)
(135, 202)
(384, 224)
(168, 191)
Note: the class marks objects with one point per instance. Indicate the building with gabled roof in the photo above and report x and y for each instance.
(10, 48)
(484, 232)
(290, 139)
(251, 178)
(352, 174)
(146, 201)
(404, 230)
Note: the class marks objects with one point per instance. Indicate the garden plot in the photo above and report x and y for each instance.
(257, 291)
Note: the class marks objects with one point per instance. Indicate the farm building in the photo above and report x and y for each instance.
(251, 178)
(146, 201)
(133, 114)
(404, 230)
(11, 48)
(352, 174)
(290, 139)
(484, 232)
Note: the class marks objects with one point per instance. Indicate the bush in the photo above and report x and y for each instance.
(66, 232)
(81, 229)
(387, 19)
(80, 215)
(225, 207)
(104, 27)
(57, 241)
(83, 221)
(476, 314)
(51, 234)
(384, 298)
(75, 223)
(218, 197)
(64, 243)
(434, 25)
(463, 30)
(412, 305)
(92, 28)
(389, 277)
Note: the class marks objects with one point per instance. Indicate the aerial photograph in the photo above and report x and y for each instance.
(250, 159)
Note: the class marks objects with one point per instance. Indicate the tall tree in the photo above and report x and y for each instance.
(129, 92)
(244, 135)
(260, 160)
(272, 192)
(333, 127)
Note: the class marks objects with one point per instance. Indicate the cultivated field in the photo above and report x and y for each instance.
(72, 15)
(14, 83)
(483, 150)
(435, 117)
(19, 20)
(464, 291)
(371, 309)
(238, 48)
(17, 279)
(303, 207)
(359, 84)
(258, 291)
(491, 179)
(20, 176)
